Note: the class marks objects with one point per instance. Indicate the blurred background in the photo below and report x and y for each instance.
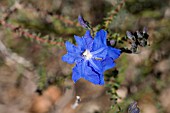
(33, 78)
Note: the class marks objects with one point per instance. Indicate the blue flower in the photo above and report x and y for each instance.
(91, 56)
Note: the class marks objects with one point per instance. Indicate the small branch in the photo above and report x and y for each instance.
(110, 17)
(25, 33)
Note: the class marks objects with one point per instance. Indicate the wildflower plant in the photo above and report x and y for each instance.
(92, 57)
(94, 54)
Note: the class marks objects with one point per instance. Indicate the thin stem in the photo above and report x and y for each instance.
(25, 33)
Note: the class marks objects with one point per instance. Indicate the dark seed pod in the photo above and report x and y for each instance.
(134, 47)
(139, 35)
(145, 30)
(133, 108)
(137, 39)
(130, 36)
(143, 43)
(145, 34)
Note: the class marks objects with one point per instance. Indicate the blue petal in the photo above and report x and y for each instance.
(83, 70)
(80, 42)
(100, 53)
(85, 42)
(79, 70)
(94, 76)
(100, 40)
(88, 40)
(72, 48)
(108, 63)
(71, 58)
(113, 53)
(96, 65)
(76, 75)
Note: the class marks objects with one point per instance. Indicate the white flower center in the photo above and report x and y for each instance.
(87, 54)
